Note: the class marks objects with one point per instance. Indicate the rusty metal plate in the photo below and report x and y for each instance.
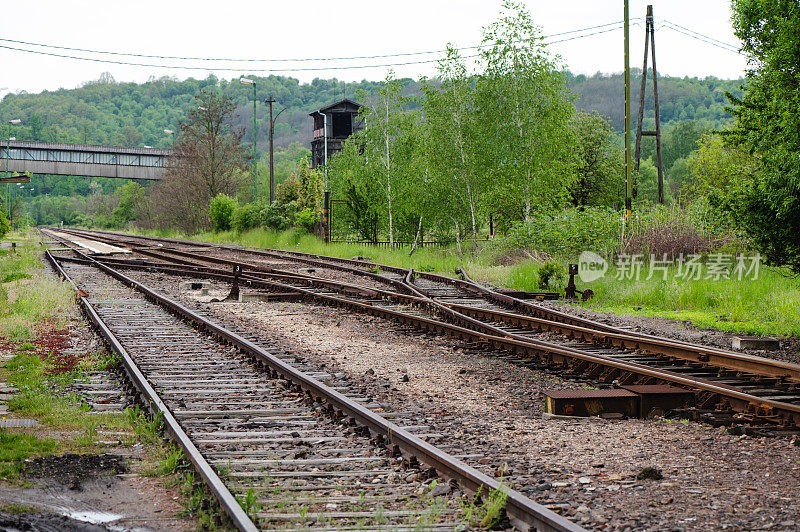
(657, 399)
(584, 403)
(582, 393)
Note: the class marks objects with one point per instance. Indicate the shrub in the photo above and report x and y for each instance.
(221, 212)
(246, 217)
(551, 275)
(672, 231)
(306, 219)
(278, 216)
(565, 233)
(5, 227)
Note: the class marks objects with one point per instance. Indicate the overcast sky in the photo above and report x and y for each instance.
(317, 29)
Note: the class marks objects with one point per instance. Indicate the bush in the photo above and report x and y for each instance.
(5, 227)
(306, 219)
(246, 217)
(565, 233)
(278, 216)
(660, 230)
(551, 274)
(221, 212)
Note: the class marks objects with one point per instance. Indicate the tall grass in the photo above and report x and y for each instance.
(29, 297)
(769, 304)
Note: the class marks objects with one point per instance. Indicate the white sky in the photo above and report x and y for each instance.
(312, 28)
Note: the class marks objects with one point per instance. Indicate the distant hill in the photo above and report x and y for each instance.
(679, 99)
(132, 114)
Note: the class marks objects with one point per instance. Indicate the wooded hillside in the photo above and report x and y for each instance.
(133, 114)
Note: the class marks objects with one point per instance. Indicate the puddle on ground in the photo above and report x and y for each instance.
(89, 516)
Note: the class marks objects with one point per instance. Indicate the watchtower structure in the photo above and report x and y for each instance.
(332, 125)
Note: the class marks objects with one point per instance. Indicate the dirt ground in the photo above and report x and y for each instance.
(89, 493)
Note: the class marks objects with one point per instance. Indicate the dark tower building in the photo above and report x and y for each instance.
(342, 121)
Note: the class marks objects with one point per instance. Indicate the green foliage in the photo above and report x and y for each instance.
(675, 230)
(131, 197)
(310, 185)
(550, 274)
(680, 99)
(306, 219)
(5, 227)
(221, 211)
(278, 216)
(768, 126)
(246, 216)
(526, 107)
(15, 448)
(717, 168)
(565, 233)
(173, 461)
(599, 169)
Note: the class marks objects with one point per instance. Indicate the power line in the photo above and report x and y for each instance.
(293, 69)
(286, 60)
(219, 69)
(723, 43)
(698, 37)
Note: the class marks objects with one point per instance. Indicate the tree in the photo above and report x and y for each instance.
(452, 150)
(220, 210)
(768, 126)
(526, 105)
(717, 168)
(599, 167)
(384, 136)
(208, 160)
(131, 198)
(351, 179)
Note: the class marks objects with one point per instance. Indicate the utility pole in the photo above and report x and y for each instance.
(248, 81)
(269, 102)
(649, 34)
(628, 203)
(272, 121)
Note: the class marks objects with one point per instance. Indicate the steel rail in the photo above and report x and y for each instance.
(225, 498)
(655, 344)
(543, 347)
(551, 319)
(515, 342)
(522, 511)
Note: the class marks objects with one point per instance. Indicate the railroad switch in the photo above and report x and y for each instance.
(571, 291)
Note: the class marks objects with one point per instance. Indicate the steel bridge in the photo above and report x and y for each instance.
(84, 160)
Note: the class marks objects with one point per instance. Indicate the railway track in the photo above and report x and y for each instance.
(268, 431)
(759, 390)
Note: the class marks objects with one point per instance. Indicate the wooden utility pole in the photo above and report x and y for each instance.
(649, 34)
(269, 102)
(628, 203)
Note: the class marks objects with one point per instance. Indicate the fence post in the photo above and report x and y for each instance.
(326, 222)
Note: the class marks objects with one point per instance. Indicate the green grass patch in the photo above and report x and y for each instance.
(45, 398)
(15, 276)
(768, 305)
(15, 448)
(27, 296)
